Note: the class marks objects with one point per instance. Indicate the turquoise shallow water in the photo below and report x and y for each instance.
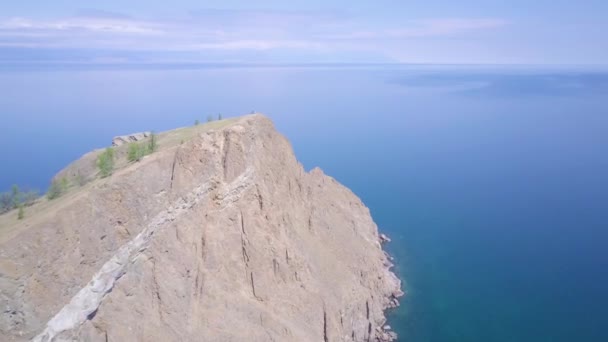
(491, 181)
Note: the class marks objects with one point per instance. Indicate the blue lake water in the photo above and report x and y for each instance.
(492, 181)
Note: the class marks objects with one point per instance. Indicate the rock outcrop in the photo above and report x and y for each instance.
(125, 139)
(223, 237)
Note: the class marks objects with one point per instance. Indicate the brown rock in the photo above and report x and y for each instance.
(222, 238)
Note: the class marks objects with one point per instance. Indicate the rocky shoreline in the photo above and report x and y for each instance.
(384, 332)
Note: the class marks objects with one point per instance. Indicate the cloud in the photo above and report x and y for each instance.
(231, 31)
(448, 27)
(427, 28)
(96, 13)
(17, 26)
(267, 17)
(255, 45)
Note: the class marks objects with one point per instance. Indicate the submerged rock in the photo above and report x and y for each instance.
(223, 237)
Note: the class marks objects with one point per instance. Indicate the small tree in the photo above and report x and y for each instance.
(105, 162)
(209, 118)
(55, 190)
(219, 116)
(152, 143)
(65, 184)
(136, 152)
(16, 195)
(21, 213)
(196, 122)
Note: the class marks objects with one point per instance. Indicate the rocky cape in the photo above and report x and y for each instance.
(219, 236)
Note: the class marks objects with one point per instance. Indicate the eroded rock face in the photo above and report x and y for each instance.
(222, 238)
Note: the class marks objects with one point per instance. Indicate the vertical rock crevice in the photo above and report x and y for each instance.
(244, 243)
(173, 167)
(226, 148)
(198, 280)
(253, 288)
(156, 286)
(275, 267)
(325, 336)
(259, 197)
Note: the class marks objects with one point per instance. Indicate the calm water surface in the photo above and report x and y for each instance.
(492, 181)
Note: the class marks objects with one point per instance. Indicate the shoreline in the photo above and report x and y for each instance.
(384, 332)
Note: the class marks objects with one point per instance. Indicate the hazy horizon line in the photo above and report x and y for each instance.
(49, 65)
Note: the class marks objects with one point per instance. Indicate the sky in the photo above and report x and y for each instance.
(332, 31)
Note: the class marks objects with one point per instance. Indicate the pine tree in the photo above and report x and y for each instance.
(152, 144)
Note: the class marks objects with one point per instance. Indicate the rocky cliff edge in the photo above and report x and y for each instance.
(219, 237)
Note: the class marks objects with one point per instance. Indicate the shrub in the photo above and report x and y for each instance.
(105, 162)
(54, 191)
(209, 118)
(136, 152)
(196, 122)
(21, 213)
(58, 188)
(219, 116)
(65, 184)
(15, 198)
(6, 202)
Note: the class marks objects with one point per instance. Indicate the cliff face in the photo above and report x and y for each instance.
(223, 237)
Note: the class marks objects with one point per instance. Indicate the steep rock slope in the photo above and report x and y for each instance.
(224, 237)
